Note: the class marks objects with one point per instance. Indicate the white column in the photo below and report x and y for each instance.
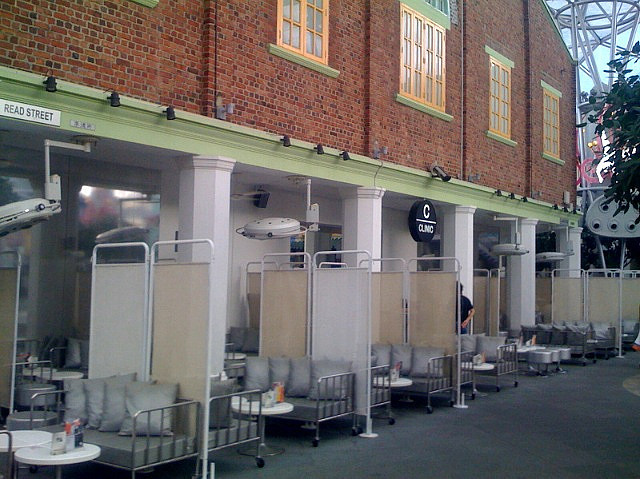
(567, 240)
(521, 278)
(457, 241)
(204, 210)
(362, 221)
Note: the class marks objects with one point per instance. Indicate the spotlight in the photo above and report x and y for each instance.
(114, 99)
(170, 112)
(286, 141)
(221, 109)
(438, 172)
(512, 196)
(345, 156)
(319, 149)
(472, 178)
(498, 193)
(555, 206)
(525, 199)
(575, 211)
(565, 209)
(51, 84)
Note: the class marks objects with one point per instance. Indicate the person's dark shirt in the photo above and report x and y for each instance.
(465, 307)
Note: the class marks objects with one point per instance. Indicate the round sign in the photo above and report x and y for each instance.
(422, 221)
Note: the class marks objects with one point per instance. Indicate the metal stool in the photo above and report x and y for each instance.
(26, 390)
(539, 357)
(565, 355)
(21, 420)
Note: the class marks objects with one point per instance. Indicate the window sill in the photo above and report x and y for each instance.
(423, 108)
(303, 61)
(147, 3)
(553, 159)
(501, 139)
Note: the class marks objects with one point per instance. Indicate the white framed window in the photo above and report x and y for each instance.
(303, 27)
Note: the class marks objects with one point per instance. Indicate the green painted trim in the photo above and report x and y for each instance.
(555, 27)
(548, 87)
(423, 108)
(147, 3)
(303, 61)
(144, 123)
(429, 11)
(498, 56)
(501, 139)
(553, 159)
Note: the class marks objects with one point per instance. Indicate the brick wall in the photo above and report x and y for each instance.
(169, 55)
(109, 45)
(551, 63)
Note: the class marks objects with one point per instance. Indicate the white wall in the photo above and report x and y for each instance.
(396, 239)
(243, 250)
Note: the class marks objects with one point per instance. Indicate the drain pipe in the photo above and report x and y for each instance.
(463, 169)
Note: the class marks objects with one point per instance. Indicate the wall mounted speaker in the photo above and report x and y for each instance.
(261, 199)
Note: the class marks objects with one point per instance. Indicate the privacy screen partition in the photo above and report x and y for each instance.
(481, 301)
(119, 326)
(285, 305)
(181, 319)
(568, 295)
(252, 288)
(543, 295)
(341, 323)
(389, 299)
(604, 299)
(434, 312)
(10, 265)
(497, 300)
(631, 295)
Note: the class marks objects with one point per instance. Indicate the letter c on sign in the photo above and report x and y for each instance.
(426, 210)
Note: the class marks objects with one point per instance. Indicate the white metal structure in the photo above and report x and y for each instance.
(594, 30)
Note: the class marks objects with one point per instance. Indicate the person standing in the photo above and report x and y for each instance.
(466, 311)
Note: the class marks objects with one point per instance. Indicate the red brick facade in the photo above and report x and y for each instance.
(169, 55)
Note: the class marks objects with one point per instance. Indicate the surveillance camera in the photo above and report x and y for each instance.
(440, 173)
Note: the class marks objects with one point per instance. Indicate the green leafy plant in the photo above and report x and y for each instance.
(617, 114)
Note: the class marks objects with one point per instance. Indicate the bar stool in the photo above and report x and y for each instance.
(541, 357)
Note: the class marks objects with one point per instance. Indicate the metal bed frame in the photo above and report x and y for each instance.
(245, 425)
(381, 390)
(507, 363)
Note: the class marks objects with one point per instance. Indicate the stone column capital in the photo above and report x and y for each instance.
(201, 162)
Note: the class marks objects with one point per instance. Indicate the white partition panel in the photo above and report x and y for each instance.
(604, 299)
(568, 295)
(119, 325)
(389, 299)
(543, 296)
(481, 301)
(10, 265)
(252, 286)
(182, 342)
(341, 323)
(285, 306)
(434, 311)
(631, 295)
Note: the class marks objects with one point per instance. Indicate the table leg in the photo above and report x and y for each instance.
(58, 472)
(264, 449)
